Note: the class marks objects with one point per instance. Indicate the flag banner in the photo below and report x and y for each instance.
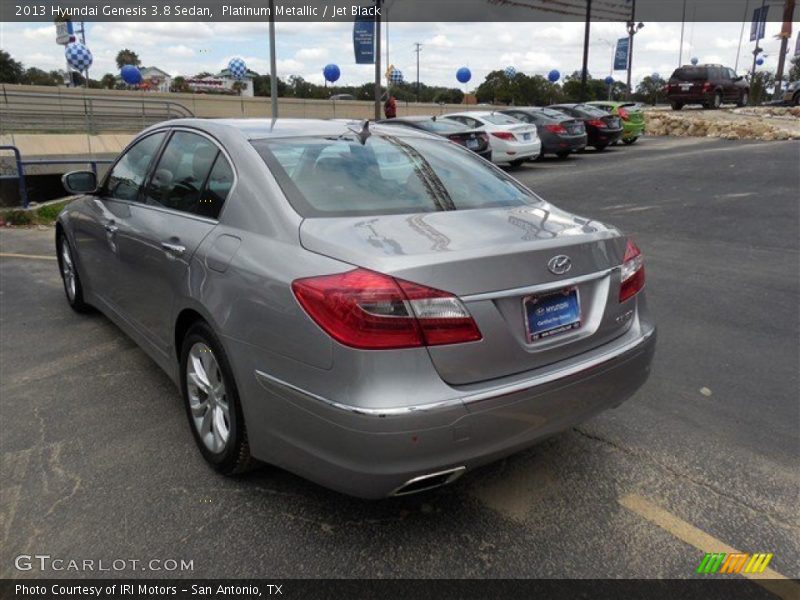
(621, 55)
(364, 41)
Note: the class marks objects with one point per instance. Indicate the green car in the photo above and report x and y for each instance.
(631, 115)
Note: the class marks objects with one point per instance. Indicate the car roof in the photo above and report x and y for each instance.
(256, 129)
(472, 113)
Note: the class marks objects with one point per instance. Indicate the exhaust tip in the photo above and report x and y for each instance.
(428, 482)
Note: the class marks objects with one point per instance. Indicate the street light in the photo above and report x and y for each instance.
(633, 29)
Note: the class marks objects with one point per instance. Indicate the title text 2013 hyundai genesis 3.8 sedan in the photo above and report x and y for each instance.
(373, 308)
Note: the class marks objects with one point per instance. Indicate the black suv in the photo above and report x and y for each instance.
(709, 85)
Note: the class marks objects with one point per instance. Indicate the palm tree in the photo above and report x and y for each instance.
(127, 57)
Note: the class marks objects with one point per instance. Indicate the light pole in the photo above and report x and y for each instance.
(418, 49)
(633, 29)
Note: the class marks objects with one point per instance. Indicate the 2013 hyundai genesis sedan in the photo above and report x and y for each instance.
(374, 308)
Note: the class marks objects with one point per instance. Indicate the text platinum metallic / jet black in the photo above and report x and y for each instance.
(372, 307)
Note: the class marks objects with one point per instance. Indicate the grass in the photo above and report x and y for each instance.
(42, 215)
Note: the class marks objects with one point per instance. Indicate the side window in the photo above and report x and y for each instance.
(219, 184)
(522, 117)
(127, 176)
(731, 74)
(181, 173)
(472, 123)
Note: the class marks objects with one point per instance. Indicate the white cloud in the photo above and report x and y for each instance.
(180, 51)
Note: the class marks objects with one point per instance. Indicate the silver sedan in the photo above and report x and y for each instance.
(374, 308)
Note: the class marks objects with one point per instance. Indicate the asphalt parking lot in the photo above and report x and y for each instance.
(98, 459)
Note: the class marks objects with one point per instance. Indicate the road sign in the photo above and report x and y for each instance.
(759, 23)
(64, 33)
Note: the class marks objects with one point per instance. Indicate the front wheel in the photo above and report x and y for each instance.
(630, 141)
(212, 402)
(744, 100)
(601, 147)
(517, 163)
(563, 155)
(677, 105)
(69, 275)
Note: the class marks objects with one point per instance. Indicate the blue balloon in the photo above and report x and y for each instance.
(463, 75)
(554, 75)
(695, 60)
(331, 73)
(609, 80)
(760, 62)
(131, 75)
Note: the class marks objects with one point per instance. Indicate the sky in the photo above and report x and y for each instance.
(303, 49)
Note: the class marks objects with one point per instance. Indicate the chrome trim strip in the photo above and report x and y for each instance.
(539, 287)
(455, 473)
(267, 380)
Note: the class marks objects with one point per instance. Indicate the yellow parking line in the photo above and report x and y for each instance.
(772, 581)
(31, 256)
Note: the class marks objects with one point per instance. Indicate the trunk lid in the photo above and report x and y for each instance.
(493, 259)
(574, 127)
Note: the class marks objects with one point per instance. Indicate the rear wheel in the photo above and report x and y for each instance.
(601, 147)
(677, 105)
(563, 155)
(517, 163)
(212, 402)
(796, 99)
(69, 275)
(630, 141)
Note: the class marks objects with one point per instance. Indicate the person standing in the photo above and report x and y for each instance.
(390, 107)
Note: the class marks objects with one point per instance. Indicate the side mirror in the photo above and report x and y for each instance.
(738, 78)
(79, 182)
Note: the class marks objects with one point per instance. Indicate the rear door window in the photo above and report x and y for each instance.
(690, 74)
(181, 173)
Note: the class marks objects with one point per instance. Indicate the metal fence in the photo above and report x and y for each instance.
(21, 164)
(85, 113)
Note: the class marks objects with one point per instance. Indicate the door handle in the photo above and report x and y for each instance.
(174, 249)
(111, 228)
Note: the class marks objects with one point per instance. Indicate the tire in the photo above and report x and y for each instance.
(517, 163)
(601, 147)
(796, 99)
(69, 275)
(744, 99)
(563, 155)
(677, 105)
(629, 141)
(219, 430)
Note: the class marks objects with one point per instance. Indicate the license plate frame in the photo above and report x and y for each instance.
(526, 137)
(538, 332)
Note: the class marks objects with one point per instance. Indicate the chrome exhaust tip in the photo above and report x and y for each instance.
(429, 481)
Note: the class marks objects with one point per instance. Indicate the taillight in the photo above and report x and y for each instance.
(368, 310)
(597, 123)
(458, 139)
(556, 128)
(623, 114)
(632, 272)
(504, 135)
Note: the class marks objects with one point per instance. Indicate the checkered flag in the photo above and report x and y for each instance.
(78, 56)
(238, 68)
(396, 76)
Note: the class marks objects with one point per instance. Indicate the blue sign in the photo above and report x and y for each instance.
(621, 55)
(364, 41)
(759, 23)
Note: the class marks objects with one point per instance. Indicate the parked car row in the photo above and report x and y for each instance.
(517, 134)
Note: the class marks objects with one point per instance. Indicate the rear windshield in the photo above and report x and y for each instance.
(442, 126)
(553, 114)
(690, 74)
(591, 110)
(340, 176)
(499, 119)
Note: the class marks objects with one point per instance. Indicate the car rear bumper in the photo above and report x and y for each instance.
(607, 136)
(509, 152)
(691, 98)
(374, 453)
(633, 130)
(567, 143)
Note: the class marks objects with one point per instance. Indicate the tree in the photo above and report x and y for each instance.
(760, 83)
(127, 57)
(179, 85)
(11, 71)
(794, 71)
(108, 81)
(35, 76)
(651, 89)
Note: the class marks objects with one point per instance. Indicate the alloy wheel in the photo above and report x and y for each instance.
(68, 271)
(208, 401)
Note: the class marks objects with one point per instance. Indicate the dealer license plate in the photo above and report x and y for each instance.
(551, 314)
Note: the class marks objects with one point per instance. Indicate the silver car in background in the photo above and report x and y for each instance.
(373, 308)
